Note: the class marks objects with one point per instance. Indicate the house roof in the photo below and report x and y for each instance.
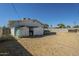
(24, 21)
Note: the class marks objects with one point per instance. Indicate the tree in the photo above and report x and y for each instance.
(61, 25)
(76, 26)
(68, 26)
(50, 25)
(6, 30)
(46, 25)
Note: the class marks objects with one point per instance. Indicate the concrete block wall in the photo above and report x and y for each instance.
(59, 30)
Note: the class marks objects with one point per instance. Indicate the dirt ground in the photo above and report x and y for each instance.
(10, 47)
(61, 44)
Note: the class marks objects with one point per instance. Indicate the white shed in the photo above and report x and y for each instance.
(26, 27)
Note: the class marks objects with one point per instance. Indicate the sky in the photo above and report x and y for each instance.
(49, 13)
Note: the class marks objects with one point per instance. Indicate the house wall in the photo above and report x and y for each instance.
(38, 31)
(58, 30)
(13, 31)
(22, 32)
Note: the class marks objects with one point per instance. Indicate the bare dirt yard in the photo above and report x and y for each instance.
(61, 44)
(10, 47)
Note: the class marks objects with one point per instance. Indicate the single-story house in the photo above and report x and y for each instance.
(26, 27)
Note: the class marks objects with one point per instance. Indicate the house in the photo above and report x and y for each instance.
(26, 27)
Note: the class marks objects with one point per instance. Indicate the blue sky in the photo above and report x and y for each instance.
(51, 14)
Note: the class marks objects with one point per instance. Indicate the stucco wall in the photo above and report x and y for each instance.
(38, 31)
(13, 31)
(25, 31)
(59, 30)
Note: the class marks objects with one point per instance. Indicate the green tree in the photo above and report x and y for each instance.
(68, 26)
(46, 25)
(76, 26)
(61, 25)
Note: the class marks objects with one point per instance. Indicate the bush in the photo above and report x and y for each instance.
(46, 32)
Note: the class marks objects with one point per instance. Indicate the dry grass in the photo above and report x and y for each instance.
(63, 43)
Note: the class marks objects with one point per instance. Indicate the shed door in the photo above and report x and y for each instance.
(30, 31)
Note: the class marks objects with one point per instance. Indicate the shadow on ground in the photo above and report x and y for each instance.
(10, 47)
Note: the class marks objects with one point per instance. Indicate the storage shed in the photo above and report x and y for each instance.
(26, 27)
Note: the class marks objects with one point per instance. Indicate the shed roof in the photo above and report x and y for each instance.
(24, 21)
